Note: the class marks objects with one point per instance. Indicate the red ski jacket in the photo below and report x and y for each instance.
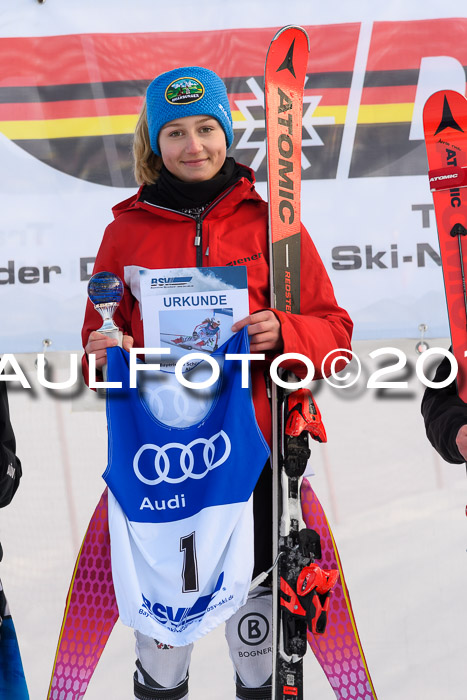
(234, 232)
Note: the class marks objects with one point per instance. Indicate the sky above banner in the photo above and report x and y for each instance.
(29, 18)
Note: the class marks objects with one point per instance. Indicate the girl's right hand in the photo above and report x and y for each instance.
(99, 342)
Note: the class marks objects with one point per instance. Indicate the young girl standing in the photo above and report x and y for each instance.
(196, 207)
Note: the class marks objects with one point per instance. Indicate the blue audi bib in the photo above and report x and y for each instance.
(180, 504)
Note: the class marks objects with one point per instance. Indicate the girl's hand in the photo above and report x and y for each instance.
(264, 330)
(99, 342)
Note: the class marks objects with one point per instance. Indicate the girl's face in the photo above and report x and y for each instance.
(193, 148)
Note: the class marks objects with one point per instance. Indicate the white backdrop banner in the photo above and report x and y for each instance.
(69, 102)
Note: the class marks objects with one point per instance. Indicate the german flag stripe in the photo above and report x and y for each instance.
(29, 111)
(390, 78)
(72, 92)
(335, 84)
(72, 101)
(39, 120)
(78, 110)
(110, 124)
(383, 143)
(105, 160)
(115, 57)
(84, 92)
(131, 88)
(399, 46)
(400, 94)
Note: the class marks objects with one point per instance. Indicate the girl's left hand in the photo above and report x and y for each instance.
(264, 330)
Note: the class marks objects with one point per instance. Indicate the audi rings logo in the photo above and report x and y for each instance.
(217, 446)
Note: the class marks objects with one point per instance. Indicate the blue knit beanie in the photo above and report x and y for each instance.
(184, 92)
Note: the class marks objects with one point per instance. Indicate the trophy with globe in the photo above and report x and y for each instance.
(105, 290)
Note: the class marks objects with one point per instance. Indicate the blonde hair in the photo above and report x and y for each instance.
(147, 165)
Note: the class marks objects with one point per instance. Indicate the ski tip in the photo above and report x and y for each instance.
(441, 110)
(440, 96)
(293, 27)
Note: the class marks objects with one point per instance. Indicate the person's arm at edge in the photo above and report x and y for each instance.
(10, 465)
(444, 414)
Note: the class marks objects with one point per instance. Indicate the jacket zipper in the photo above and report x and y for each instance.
(198, 242)
(199, 226)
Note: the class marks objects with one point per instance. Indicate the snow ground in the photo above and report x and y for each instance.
(396, 509)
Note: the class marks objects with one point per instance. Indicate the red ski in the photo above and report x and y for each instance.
(306, 598)
(284, 82)
(285, 75)
(445, 124)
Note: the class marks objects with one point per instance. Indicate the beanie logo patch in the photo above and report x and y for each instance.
(184, 91)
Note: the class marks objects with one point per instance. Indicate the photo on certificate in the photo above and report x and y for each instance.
(199, 331)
